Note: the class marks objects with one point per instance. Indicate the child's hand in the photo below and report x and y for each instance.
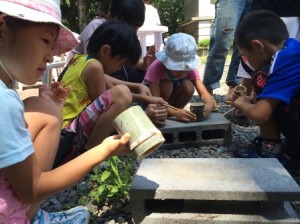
(207, 109)
(157, 114)
(116, 145)
(56, 94)
(240, 101)
(185, 115)
(59, 91)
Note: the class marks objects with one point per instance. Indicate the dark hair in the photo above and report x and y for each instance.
(130, 11)
(261, 24)
(120, 37)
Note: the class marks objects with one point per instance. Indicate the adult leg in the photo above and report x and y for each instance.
(232, 80)
(228, 13)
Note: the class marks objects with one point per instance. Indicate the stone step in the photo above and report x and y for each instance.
(212, 186)
(214, 130)
(275, 217)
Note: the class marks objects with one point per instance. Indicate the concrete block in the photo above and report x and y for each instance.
(214, 130)
(220, 186)
(268, 216)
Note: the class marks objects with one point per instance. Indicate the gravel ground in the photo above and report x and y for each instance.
(241, 139)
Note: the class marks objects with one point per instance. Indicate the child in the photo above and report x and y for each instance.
(133, 13)
(94, 101)
(174, 75)
(262, 38)
(31, 32)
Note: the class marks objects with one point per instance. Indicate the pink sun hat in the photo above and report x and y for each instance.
(43, 11)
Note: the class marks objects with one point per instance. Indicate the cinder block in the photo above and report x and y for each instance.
(214, 130)
(230, 189)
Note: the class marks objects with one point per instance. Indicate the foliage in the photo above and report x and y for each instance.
(77, 13)
(171, 12)
(204, 42)
(112, 185)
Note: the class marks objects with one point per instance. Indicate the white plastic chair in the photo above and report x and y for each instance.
(157, 31)
(53, 70)
(50, 73)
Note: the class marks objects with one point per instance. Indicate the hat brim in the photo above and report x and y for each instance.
(175, 65)
(65, 41)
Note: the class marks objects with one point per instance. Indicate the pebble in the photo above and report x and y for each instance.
(241, 139)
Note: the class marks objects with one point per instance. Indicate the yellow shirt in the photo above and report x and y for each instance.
(79, 97)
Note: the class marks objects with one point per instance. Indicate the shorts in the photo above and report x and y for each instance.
(12, 210)
(75, 134)
(288, 121)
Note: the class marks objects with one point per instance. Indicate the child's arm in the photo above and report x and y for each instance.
(204, 96)
(181, 114)
(32, 185)
(93, 76)
(259, 112)
(140, 92)
(137, 88)
(144, 62)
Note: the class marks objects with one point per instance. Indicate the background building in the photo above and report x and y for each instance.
(198, 18)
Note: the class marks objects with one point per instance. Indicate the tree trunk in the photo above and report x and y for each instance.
(82, 13)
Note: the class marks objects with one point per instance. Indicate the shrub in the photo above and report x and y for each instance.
(204, 42)
(112, 185)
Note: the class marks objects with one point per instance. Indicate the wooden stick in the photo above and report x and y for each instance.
(228, 111)
(170, 106)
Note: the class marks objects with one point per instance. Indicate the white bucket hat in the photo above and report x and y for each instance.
(180, 53)
(44, 11)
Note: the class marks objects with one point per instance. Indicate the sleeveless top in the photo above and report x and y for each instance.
(79, 97)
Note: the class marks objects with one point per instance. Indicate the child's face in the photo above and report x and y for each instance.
(112, 64)
(178, 74)
(25, 52)
(255, 59)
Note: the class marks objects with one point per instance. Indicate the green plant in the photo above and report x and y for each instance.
(112, 185)
(204, 42)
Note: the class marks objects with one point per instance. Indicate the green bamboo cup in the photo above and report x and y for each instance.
(198, 109)
(144, 136)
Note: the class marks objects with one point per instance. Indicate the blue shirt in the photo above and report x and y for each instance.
(15, 140)
(283, 82)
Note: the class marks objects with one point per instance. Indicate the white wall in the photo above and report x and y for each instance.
(202, 13)
(206, 8)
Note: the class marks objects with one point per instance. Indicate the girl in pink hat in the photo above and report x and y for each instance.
(30, 34)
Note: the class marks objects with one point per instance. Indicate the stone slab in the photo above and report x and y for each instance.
(232, 189)
(214, 130)
(238, 179)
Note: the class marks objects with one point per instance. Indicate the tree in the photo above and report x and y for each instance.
(77, 13)
(171, 13)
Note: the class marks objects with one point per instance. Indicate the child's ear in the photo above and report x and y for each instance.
(257, 45)
(105, 50)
